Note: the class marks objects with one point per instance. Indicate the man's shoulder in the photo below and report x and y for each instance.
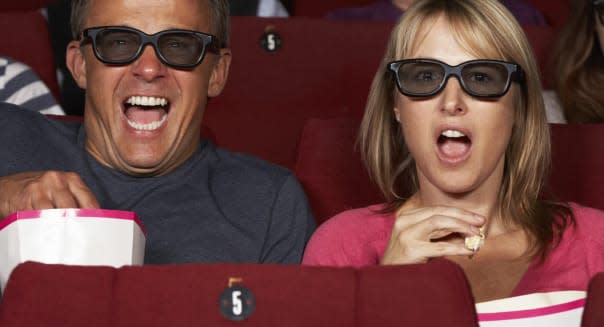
(18, 118)
(11, 113)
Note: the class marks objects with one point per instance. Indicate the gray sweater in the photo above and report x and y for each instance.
(217, 207)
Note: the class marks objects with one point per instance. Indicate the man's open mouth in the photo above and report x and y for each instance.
(146, 113)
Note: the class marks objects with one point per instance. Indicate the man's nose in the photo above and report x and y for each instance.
(148, 66)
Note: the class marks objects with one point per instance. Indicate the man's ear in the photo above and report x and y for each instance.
(220, 73)
(76, 63)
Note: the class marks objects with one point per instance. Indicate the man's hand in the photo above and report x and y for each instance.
(44, 190)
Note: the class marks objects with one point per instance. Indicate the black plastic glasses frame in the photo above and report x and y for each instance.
(514, 73)
(599, 9)
(209, 42)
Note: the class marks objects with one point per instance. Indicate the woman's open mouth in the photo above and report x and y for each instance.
(453, 145)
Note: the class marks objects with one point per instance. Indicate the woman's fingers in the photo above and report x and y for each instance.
(421, 234)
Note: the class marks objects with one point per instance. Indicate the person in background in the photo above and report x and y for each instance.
(149, 68)
(260, 8)
(391, 10)
(455, 136)
(578, 65)
(20, 85)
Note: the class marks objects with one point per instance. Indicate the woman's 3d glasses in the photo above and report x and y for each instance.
(478, 78)
(117, 45)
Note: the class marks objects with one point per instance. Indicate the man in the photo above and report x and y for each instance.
(148, 68)
(58, 15)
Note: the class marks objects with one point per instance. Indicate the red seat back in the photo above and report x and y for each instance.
(433, 294)
(25, 38)
(593, 313)
(24, 5)
(176, 295)
(555, 12)
(329, 168)
(542, 39)
(323, 69)
(578, 158)
(318, 8)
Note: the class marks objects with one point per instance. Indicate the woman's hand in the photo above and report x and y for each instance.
(424, 233)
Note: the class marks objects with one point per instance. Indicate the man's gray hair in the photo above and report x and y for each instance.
(219, 18)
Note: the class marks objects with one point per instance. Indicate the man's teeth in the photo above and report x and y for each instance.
(146, 101)
(147, 127)
(452, 133)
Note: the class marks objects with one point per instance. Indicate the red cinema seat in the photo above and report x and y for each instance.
(542, 39)
(23, 5)
(196, 295)
(25, 38)
(578, 158)
(593, 313)
(555, 12)
(329, 168)
(54, 295)
(177, 295)
(318, 8)
(321, 69)
(433, 294)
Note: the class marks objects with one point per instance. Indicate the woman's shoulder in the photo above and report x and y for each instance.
(589, 223)
(359, 219)
(351, 238)
(588, 215)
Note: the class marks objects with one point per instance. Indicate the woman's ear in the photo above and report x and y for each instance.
(220, 73)
(76, 63)
(397, 114)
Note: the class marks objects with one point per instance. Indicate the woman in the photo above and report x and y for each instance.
(578, 65)
(455, 114)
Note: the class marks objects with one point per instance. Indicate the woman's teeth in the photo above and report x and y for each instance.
(452, 133)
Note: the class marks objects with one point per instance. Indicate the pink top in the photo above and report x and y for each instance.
(359, 237)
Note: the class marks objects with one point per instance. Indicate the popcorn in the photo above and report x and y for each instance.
(475, 242)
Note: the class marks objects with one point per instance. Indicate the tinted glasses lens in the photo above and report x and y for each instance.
(180, 48)
(420, 77)
(485, 78)
(117, 45)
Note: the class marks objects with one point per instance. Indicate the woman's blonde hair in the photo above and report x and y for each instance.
(485, 29)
